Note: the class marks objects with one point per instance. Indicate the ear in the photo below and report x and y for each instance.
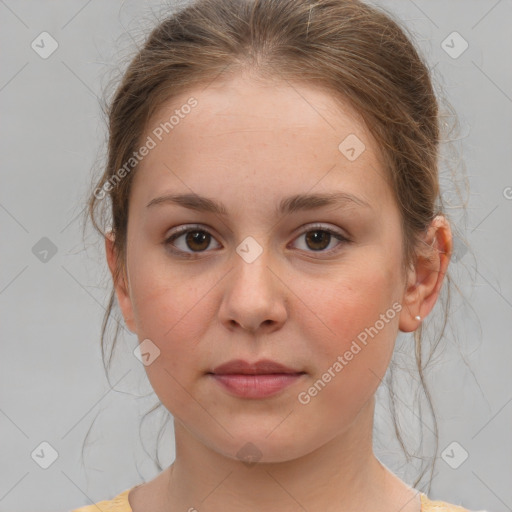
(425, 279)
(121, 286)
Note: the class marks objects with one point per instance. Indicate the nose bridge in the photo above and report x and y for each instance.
(253, 261)
(254, 295)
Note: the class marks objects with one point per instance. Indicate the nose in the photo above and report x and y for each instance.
(255, 297)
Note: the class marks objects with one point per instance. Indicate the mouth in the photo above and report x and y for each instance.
(260, 379)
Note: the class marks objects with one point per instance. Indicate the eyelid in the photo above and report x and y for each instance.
(321, 227)
(189, 227)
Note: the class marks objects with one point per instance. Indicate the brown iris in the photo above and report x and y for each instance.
(318, 237)
(201, 238)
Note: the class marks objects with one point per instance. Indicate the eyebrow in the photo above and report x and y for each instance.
(288, 205)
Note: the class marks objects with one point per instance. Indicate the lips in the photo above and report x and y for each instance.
(256, 380)
(262, 367)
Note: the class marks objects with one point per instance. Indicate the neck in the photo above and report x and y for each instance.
(343, 474)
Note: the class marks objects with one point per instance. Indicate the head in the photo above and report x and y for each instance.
(253, 105)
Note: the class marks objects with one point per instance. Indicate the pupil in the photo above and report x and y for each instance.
(316, 238)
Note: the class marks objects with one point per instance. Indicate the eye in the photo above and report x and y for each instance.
(190, 240)
(318, 238)
(195, 238)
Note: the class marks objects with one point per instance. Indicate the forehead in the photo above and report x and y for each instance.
(244, 103)
(283, 136)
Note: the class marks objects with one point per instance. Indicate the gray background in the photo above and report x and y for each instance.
(53, 387)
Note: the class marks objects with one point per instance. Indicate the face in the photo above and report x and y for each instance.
(317, 288)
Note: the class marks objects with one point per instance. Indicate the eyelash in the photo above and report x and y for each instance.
(198, 228)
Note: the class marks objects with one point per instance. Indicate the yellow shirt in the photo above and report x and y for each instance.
(120, 504)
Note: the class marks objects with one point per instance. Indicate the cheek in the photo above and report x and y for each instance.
(173, 311)
(172, 314)
(166, 301)
(360, 310)
(354, 356)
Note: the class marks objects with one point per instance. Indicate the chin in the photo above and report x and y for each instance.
(257, 446)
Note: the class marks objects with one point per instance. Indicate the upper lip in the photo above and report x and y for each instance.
(262, 367)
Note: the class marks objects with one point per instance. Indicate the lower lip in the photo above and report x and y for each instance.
(256, 386)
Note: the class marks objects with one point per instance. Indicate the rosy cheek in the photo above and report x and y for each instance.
(353, 307)
(348, 307)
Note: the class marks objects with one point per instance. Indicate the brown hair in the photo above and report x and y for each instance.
(356, 52)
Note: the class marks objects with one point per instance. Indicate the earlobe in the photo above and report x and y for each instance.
(426, 278)
(120, 284)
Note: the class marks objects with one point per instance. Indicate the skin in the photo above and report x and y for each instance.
(248, 144)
